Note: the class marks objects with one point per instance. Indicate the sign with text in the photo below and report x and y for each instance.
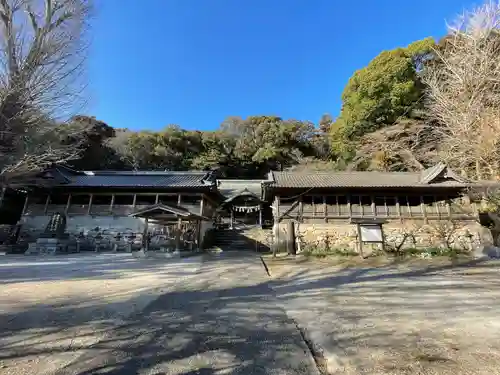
(371, 233)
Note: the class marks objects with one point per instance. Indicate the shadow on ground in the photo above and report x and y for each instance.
(230, 318)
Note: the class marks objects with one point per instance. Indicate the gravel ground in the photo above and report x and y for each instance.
(218, 319)
(421, 318)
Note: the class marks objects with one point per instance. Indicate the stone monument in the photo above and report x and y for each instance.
(54, 239)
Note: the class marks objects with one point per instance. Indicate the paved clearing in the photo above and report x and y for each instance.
(396, 319)
(113, 314)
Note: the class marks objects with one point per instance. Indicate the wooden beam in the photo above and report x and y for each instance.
(68, 203)
(47, 202)
(90, 203)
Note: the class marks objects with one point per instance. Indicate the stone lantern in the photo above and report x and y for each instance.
(117, 239)
(79, 240)
(97, 242)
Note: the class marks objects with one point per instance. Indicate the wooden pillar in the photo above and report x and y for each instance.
(386, 207)
(157, 198)
(179, 199)
(47, 202)
(290, 241)
(232, 218)
(277, 204)
(201, 205)
(68, 203)
(134, 202)
(301, 207)
(398, 207)
(145, 242)
(90, 203)
(325, 209)
(349, 205)
(178, 235)
(260, 216)
(112, 203)
(313, 205)
(422, 206)
(2, 195)
(374, 209)
(448, 209)
(25, 206)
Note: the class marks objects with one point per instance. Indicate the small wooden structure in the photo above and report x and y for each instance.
(170, 215)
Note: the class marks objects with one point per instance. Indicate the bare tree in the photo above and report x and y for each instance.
(464, 92)
(408, 145)
(43, 46)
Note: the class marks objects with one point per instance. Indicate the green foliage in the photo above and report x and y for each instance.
(377, 95)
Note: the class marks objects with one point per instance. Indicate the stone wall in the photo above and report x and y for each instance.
(465, 235)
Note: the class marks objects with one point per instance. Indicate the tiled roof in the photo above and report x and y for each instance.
(228, 188)
(155, 179)
(366, 179)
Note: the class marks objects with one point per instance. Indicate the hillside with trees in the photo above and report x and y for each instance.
(408, 108)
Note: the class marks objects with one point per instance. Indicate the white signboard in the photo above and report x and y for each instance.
(371, 233)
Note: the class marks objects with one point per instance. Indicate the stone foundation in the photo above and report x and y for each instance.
(462, 235)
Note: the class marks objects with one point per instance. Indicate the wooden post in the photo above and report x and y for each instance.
(232, 218)
(47, 202)
(325, 208)
(145, 235)
(374, 209)
(134, 202)
(178, 235)
(337, 205)
(2, 195)
(25, 205)
(301, 207)
(68, 203)
(260, 216)
(313, 205)
(398, 207)
(277, 204)
(448, 209)
(349, 205)
(157, 198)
(179, 199)
(422, 206)
(112, 203)
(290, 240)
(386, 207)
(201, 205)
(90, 203)
(409, 207)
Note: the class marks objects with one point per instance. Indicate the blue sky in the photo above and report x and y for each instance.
(196, 62)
